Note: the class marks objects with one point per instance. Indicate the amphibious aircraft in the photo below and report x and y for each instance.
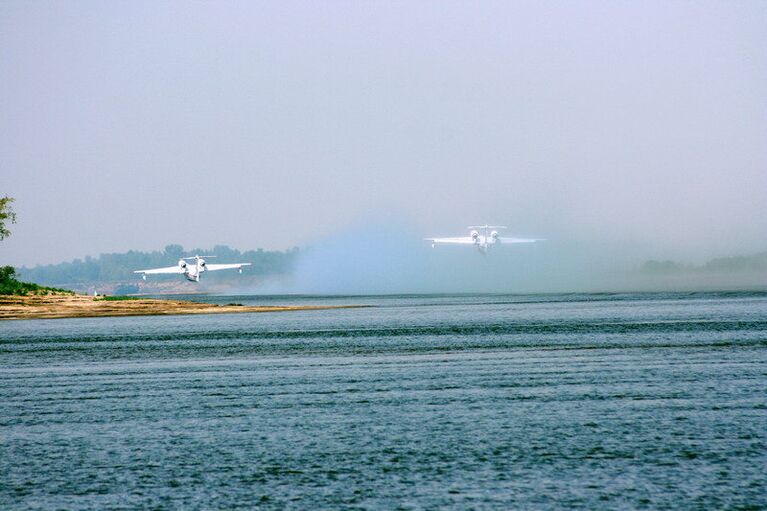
(482, 237)
(192, 271)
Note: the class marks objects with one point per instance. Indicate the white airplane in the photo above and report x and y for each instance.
(482, 237)
(192, 272)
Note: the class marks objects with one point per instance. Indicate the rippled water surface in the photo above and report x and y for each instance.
(486, 402)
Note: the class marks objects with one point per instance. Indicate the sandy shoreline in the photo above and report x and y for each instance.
(68, 306)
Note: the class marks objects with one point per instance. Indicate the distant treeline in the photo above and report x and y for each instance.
(120, 267)
(756, 263)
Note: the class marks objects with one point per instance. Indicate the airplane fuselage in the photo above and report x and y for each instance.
(483, 242)
(192, 272)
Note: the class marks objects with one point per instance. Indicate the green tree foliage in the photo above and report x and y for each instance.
(7, 215)
(10, 286)
(7, 274)
(120, 267)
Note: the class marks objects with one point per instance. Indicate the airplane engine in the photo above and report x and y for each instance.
(202, 263)
(494, 235)
(474, 235)
(182, 264)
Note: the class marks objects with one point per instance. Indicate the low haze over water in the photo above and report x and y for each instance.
(468, 401)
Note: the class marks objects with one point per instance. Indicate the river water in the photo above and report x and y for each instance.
(591, 401)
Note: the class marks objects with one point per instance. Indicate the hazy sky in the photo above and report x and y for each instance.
(130, 125)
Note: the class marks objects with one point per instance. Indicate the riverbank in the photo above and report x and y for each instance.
(78, 306)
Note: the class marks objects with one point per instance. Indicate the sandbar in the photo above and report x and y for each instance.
(78, 306)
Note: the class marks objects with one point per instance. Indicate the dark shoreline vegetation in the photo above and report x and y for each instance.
(119, 267)
(10, 286)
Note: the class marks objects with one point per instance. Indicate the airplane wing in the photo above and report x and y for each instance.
(169, 269)
(519, 240)
(463, 240)
(214, 267)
